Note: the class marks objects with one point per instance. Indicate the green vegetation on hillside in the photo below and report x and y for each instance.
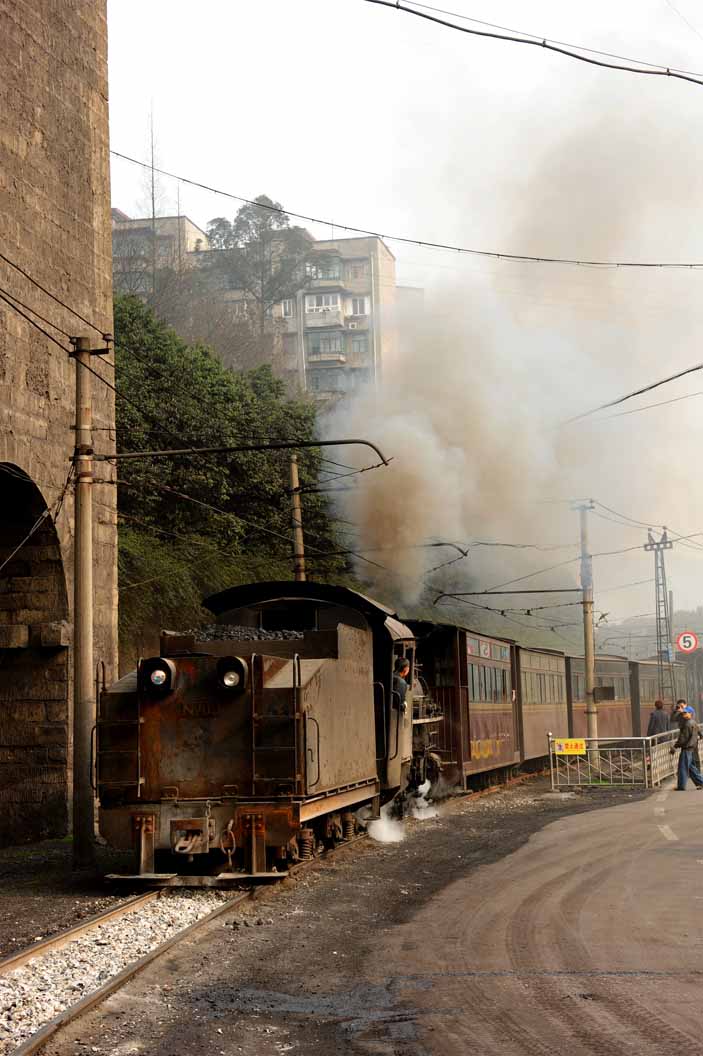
(191, 525)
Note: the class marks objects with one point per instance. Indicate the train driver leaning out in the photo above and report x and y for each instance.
(400, 685)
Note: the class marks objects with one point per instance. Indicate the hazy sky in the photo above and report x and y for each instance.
(367, 116)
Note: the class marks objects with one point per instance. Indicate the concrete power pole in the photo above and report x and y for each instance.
(589, 660)
(296, 523)
(83, 667)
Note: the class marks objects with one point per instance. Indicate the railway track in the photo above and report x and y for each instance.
(35, 1042)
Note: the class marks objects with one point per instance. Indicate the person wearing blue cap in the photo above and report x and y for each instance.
(678, 710)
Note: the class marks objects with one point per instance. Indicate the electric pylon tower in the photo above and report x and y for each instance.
(665, 657)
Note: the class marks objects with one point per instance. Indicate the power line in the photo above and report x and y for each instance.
(637, 392)
(48, 293)
(631, 522)
(53, 510)
(494, 254)
(33, 323)
(35, 312)
(540, 37)
(660, 71)
(684, 19)
(623, 586)
(524, 546)
(649, 406)
(249, 524)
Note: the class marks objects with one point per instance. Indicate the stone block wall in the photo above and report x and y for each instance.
(55, 223)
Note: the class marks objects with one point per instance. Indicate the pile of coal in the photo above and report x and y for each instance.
(218, 632)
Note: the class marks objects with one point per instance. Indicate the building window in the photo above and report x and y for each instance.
(360, 345)
(324, 268)
(360, 306)
(287, 308)
(357, 270)
(322, 302)
(326, 344)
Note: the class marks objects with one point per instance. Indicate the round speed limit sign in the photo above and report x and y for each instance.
(687, 642)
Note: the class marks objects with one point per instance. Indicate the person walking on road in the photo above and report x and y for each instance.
(688, 743)
(658, 720)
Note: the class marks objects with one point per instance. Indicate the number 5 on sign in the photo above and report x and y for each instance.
(687, 642)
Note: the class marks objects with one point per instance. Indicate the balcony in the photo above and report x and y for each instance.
(326, 357)
(357, 322)
(324, 317)
(313, 283)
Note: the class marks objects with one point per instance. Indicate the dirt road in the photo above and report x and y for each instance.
(463, 938)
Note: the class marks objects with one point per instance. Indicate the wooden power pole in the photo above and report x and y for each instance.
(296, 523)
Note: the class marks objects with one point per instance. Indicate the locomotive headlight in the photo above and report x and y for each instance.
(232, 674)
(157, 676)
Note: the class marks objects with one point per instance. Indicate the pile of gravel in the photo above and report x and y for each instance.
(36, 992)
(219, 632)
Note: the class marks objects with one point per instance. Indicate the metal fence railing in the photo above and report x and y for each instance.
(606, 761)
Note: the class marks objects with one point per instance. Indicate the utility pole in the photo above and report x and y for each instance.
(589, 660)
(297, 523)
(83, 667)
(662, 607)
(672, 639)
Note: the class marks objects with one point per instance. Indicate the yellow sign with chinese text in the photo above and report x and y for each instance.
(570, 746)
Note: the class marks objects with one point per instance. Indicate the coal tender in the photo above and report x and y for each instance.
(244, 748)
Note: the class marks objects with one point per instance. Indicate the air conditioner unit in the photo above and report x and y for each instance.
(353, 326)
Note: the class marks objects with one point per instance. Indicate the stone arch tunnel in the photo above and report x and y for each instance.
(34, 669)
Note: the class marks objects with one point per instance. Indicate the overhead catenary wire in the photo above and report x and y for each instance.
(649, 71)
(684, 19)
(542, 36)
(49, 294)
(33, 322)
(637, 392)
(649, 406)
(406, 240)
(33, 311)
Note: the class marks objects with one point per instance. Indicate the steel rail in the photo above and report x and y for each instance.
(55, 942)
(36, 1041)
(40, 1037)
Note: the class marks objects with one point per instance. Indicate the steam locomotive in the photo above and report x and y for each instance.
(237, 752)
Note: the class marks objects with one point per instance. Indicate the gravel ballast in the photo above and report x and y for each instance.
(33, 994)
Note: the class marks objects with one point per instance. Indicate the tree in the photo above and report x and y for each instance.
(260, 255)
(234, 524)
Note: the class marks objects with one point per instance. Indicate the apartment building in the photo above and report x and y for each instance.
(330, 339)
(340, 327)
(141, 246)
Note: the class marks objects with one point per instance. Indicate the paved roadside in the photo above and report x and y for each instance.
(352, 957)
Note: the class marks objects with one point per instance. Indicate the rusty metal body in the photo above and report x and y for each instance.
(227, 755)
(469, 676)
